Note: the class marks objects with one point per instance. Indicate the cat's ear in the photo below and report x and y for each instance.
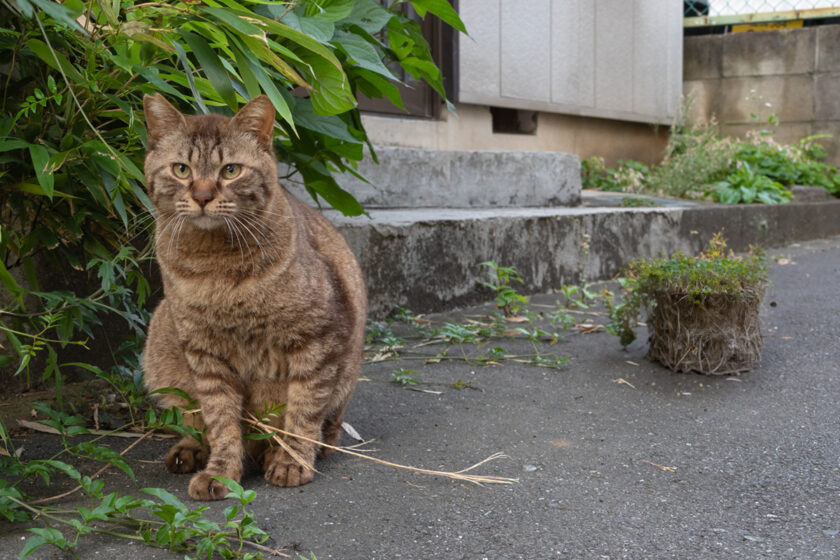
(161, 117)
(257, 118)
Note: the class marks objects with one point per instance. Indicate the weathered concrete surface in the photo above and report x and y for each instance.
(420, 178)
(427, 259)
(659, 465)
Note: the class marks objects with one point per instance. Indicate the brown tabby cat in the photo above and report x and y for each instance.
(264, 301)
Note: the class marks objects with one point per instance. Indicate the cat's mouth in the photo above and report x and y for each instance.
(206, 221)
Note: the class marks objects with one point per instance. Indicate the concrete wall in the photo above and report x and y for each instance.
(618, 59)
(472, 129)
(795, 71)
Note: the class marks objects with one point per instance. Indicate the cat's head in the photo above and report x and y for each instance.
(209, 167)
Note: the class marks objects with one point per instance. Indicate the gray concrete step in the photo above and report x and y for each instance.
(420, 178)
(426, 259)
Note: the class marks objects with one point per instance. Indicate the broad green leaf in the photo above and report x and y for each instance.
(318, 28)
(362, 53)
(8, 144)
(266, 53)
(41, 165)
(300, 39)
(32, 544)
(369, 15)
(442, 9)
(55, 60)
(330, 125)
(330, 10)
(335, 196)
(375, 85)
(331, 92)
(212, 67)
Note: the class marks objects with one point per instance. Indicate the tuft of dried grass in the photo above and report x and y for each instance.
(461, 475)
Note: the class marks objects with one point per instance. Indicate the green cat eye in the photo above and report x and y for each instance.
(231, 170)
(181, 170)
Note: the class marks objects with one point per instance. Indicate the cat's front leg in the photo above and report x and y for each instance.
(220, 399)
(309, 395)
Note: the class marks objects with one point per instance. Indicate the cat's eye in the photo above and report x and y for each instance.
(231, 170)
(181, 170)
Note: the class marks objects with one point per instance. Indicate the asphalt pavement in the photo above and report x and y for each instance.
(616, 457)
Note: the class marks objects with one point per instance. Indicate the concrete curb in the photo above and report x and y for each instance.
(427, 259)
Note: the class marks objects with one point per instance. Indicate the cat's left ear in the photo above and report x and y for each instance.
(257, 117)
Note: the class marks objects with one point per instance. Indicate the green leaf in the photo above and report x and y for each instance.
(441, 9)
(330, 10)
(331, 92)
(60, 13)
(331, 125)
(246, 58)
(335, 196)
(41, 165)
(369, 15)
(55, 60)
(374, 85)
(166, 497)
(318, 28)
(11, 284)
(32, 544)
(362, 53)
(212, 67)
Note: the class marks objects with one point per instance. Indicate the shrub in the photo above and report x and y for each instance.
(72, 135)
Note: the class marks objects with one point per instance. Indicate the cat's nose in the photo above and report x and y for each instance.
(202, 196)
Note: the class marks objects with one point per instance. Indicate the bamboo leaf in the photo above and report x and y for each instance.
(442, 9)
(212, 66)
(41, 165)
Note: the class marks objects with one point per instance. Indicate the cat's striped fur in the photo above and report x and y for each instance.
(264, 303)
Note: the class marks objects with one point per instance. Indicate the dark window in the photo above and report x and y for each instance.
(419, 98)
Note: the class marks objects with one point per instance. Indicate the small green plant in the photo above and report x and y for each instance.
(698, 163)
(637, 202)
(508, 300)
(746, 186)
(577, 296)
(404, 376)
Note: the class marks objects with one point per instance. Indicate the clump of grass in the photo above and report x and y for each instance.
(702, 311)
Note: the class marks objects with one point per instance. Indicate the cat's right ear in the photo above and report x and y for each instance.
(161, 117)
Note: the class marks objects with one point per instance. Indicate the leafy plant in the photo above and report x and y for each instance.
(72, 136)
(508, 300)
(405, 376)
(699, 163)
(746, 185)
(713, 272)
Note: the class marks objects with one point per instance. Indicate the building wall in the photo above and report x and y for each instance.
(793, 74)
(617, 59)
(472, 129)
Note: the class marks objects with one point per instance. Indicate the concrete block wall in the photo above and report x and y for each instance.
(792, 73)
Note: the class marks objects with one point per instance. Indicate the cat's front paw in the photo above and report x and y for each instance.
(186, 456)
(281, 470)
(205, 488)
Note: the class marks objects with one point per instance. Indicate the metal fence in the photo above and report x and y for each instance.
(700, 13)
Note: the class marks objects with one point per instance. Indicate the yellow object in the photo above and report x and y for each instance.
(766, 26)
